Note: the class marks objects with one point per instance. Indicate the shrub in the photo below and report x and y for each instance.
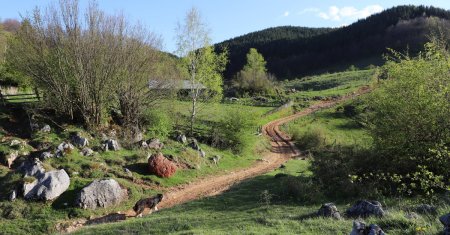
(159, 124)
(311, 139)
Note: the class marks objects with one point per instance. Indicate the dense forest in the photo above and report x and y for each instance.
(296, 51)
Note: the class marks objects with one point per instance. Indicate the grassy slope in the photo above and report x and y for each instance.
(20, 217)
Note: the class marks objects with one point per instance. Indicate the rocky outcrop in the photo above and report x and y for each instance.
(63, 149)
(48, 186)
(155, 144)
(101, 193)
(79, 140)
(46, 128)
(181, 138)
(87, 152)
(364, 208)
(111, 145)
(194, 144)
(329, 210)
(161, 166)
(445, 220)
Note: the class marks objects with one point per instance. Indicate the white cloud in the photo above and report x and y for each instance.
(337, 14)
(309, 10)
(286, 13)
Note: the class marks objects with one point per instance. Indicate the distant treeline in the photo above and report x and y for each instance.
(296, 51)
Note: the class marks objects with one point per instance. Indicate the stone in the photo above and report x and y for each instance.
(101, 193)
(155, 144)
(329, 210)
(202, 153)
(46, 128)
(11, 157)
(45, 155)
(64, 148)
(182, 138)
(128, 172)
(111, 145)
(445, 220)
(32, 168)
(79, 141)
(426, 209)
(15, 143)
(412, 216)
(87, 152)
(13, 195)
(194, 144)
(360, 228)
(161, 166)
(48, 186)
(365, 208)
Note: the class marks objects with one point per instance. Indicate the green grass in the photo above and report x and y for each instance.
(245, 210)
(328, 85)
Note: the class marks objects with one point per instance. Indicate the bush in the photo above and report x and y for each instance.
(311, 139)
(159, 124)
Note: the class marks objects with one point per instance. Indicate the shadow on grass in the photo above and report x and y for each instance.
(140, 168)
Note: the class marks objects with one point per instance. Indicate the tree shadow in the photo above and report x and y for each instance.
(140, 168)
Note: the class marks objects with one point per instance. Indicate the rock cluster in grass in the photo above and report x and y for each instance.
(360, 228)
(161, 166)
(329, 210)
(365, 208)
(110, 145)
(101, 193)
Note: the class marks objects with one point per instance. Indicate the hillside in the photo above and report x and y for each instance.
(296, 51)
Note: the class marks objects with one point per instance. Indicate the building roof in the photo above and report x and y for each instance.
(174, 84)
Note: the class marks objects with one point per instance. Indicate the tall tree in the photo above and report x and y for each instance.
(203, 65)
(253, 78)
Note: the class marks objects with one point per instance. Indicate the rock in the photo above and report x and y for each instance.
(202, 153)
(143, 144)
(13, 195)
(111, 144)
(34, 126)
(32, 168)
(161, 166)
(194, 144)
(360, 228)
(329, 210)
(155, 144)
(79, 141)
(46, 155)
(64, 148)
(128, 172)
(445, 220)
(46, 128)
(426, 209)
(216, 159)
(87, 152)
(11, 157)
(101, 193)
(47, 186)
(15, 143)
(364, 208)
(182, 139)
(412, 216)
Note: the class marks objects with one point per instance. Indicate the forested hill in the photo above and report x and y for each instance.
(296, 51)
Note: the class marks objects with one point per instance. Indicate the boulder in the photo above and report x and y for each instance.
(364, 208)
(360, 228)
(426, 209)
(128, 172)
(161, 166)
(194, 144)
(64, 148)
(32, 168)
(182, 139)
(329, 210)
(13, 195)
(45, 155)
(101, 193)
(155, 144)
(46, 128)
(445, 220)
(111, 145)
(79, 141)
(87, 152)
(48, 186)
(11, 157)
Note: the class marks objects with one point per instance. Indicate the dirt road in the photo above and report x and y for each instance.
(282, 150)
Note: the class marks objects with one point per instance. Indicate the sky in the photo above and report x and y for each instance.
(230, 18)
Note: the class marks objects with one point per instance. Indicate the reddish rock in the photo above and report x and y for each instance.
(161, 166)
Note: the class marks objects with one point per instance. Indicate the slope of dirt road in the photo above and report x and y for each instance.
(282, 150)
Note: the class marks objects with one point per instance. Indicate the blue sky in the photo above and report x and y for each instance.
(231, 18)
